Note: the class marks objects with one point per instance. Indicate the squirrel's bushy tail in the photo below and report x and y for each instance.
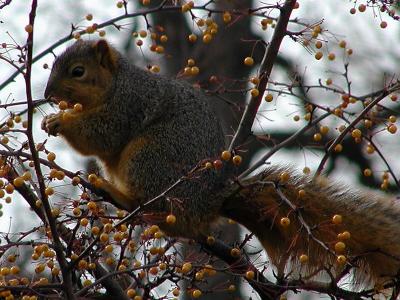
(373, 249)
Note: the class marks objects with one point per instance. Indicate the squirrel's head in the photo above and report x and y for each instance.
(83, 73)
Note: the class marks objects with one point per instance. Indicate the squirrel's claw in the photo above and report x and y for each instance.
(51, 124)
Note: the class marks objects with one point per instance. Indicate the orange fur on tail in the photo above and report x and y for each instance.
(373, 223)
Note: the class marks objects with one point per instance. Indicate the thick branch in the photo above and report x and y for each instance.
(267, 63)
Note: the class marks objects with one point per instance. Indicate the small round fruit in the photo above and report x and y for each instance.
(285, 222)
(235, 252)
(338, 148)
(341, 260)
(170, 219)
(192, 38)
(78, 108)
(356, 133)
(237, 160)
(226, 155)
(269, 97)
(340, 247)
(18, 182)
(207, 38)
(196, 293)
(63, 105)
(318, 55)
(284, 177)
(345, 235)
(392, 128)
(248, 61)
(254, 92)
(29, 28)
(303, 258)
(250, 275)
(337, 219)
(51, 156)
(186, 267)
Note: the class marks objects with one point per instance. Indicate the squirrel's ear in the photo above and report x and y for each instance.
(105, 55)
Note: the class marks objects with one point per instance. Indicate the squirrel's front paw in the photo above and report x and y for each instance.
(52, 123)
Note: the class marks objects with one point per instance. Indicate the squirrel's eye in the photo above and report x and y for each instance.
(78, 71)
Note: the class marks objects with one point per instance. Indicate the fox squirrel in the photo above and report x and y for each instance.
(149, 131)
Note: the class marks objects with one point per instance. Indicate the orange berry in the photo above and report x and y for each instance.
(193, 38)
(18, 182)
(341, 260)
(29, 28)
(317, 137)
(186, 267)
(362, 7)
(356, 133)
(254, 92)
(337, 219)
(285, 222)
(49, 191)
(250, 275)
(51, 156)
(318, 45)
(84, 222)
(227, 17)
(104, 237)
(269, 97)
(63, 105)
(342, 44)
(163, 38)
(78, 108)
(306, 170)
(194, 71)
(318, 55)
(226, 155)
(331, 56)
(175, 292)
(303, 258)
(340, 247)
(131, 293)
(248, 61)
(237, 160)
(367, 172)
(210, 240)
(284, 176)
(338, 148)
(392, 128)
(155, 69)
(368, 123)
(235, 252)
(207, 38)
(255, 80)
(170, 219)
(196, 293)
(392, 119)
(345, 235)
(301, 193)
(5, 271)
(91, 205)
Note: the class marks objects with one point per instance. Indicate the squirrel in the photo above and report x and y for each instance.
(149, 131)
